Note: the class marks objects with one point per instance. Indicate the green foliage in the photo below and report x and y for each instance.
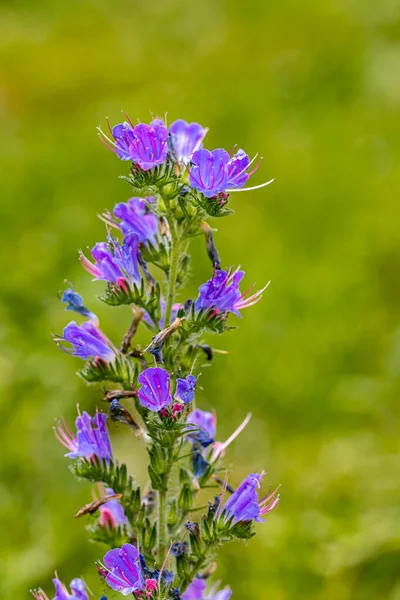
(121, 370)
(143, 296)
(110, 473)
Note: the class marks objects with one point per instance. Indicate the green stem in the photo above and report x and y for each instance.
(198, 566)
(163, 509)
(162, 523)
(173, 270)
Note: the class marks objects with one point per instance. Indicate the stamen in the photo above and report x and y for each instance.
(248, 189)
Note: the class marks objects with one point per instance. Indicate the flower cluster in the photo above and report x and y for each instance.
(210, 172)
(154, 550)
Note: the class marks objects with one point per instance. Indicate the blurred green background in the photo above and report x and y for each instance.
(314, 87)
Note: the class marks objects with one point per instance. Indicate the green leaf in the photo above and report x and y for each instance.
(120, 370)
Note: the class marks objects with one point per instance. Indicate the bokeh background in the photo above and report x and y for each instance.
(314, 87)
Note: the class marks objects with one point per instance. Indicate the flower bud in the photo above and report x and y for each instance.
(185, 499)
(173, 516)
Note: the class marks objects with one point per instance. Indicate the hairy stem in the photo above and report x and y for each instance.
(173, 266)
(202, 562)
(163, 508)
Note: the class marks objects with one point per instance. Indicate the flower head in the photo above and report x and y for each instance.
(112, 512)
(75, 302)
(197, 589)
(135, 216)
(154, 393)
(205, 422)
(236, 169)
(86, 340)
(185, 389)
(123, 136)
(185, 139)
(123, 570)
(91, 438)
(78, 591)
(145, 145)
(114, 261)
(244, 505)
(149, 145)
(208, 171)
(221, 293)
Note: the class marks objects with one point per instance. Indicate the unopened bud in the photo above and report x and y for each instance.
(185, 499)
(119, 413)
(210, 245)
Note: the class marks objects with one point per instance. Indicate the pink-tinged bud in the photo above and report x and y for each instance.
(151, 587)
(122, 284)
(107, 519)
(163, 413)
(176, 410)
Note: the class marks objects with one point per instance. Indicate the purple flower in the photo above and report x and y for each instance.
(87, 341)
(114, 261)
(196, 591)
(149, 145)
(237, 168)
(135, 216)
(123, 135)
(78, 591)
(145, 145)
(208, 171)
(123, 570)
(155, 391)
(75, 302)
(185, 139)
(112, 512)
(206, 422)
(243, 505)
(185, 389)
(91, 439)
(221, 293)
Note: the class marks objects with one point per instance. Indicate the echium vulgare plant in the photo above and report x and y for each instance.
(161, 544)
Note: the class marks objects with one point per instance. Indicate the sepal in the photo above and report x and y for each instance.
(141, 295)
(148, 183)
(214, 207)
(113, 537)
(110, 473)
(197, 322)
(120, 370)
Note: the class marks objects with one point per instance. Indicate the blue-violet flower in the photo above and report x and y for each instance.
(91, 439)
(87, 341)
(123, 571)
(244, 505)
(185, 139)
(154, 393)
(196, 591)
(135, 216)
(114, 261)
(185, 389)
(78, 591)
(208, 171)
(221, 293)
(75, 302)
(145, 145)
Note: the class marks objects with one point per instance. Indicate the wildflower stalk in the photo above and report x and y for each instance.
(168, 522)
(163, 507)
(173, 267)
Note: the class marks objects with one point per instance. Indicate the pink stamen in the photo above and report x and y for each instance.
(89, 266)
